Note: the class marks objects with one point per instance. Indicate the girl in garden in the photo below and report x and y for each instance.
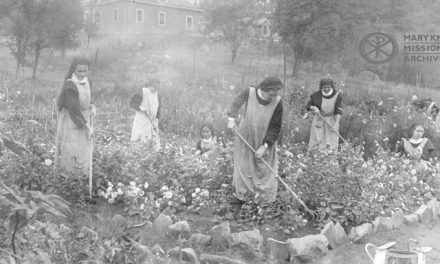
(74, 129)
(260, 127)
(208, 139)
(418, 148)
(326, 104)
(146, 120)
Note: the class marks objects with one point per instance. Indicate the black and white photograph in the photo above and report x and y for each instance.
(219, 132)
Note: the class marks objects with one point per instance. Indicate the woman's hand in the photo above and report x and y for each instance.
(314, 109)
(90, 133)
(231, 124)
(93, 110)
(260, 151)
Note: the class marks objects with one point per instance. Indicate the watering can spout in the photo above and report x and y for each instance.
(380, 252)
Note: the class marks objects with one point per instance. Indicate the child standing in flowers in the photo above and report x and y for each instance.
(208, 139)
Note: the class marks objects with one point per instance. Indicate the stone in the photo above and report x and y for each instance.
(360, 234)
(180, 228)
(278, 250)
(411, 219)
(200, 240)
(382, 224)
(189, 255)
(157, 251)
(335, 234)
(425, 214)
(221, 234)
(397, 218)
(308, 248)
(248, 242)
(162, 224)
(214, 259)
(89, 233)
(434, 206)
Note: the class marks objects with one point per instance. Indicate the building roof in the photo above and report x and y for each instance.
(181, 4)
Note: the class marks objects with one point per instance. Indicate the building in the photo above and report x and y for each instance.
(152, 18)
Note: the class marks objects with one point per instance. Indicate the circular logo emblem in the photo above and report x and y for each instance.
(378, 48)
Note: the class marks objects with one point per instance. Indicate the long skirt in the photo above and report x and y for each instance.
(73, 148)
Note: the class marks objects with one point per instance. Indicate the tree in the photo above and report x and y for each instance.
(32, 25)
(69, 17)
(17, 28)
(233, 18)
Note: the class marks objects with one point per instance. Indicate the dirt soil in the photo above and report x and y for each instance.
(355, 254)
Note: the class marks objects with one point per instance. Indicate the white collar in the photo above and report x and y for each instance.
(416, 141)
(75, 80)
(327, 94)
(207, 140)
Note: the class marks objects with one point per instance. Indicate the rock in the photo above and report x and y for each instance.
(411, 219)
(188, 254)
(181, 228)
(425, 214)
(89, 233)
(278, 250)
(200, 240)
(162, 223)
(434, 206)
(214, 259)
(360, 234)
(141, 251)
(249, 243)
(221, 234)
(307, 248)
(157, 251)
(335, 234)
(397, 218)
(383, 224)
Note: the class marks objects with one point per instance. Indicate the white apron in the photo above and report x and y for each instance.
(144, 129)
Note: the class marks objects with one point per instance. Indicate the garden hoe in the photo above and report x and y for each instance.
(312, 213)
(337, 132)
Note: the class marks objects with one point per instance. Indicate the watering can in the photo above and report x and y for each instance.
(380, 255)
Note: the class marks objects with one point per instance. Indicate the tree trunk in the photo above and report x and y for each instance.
(297, 63)
(37, 57)
(234, 54)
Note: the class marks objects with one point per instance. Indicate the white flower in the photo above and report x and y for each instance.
(47, 162)
(380, 103)
(120, 184)
(111, 200)
(142, 206)
(224, 185)
(205, 193)
(101, 193)
(413, 172)
(141, 193)
(105, 195)
(109, 184)
(120, 192)
(197, 190)
(193, 195)
(168, 194)
(146, 185)
(157, 203)
(170, 203)
(164, 188)
(299, 171)
(109, 189)
(132, 184)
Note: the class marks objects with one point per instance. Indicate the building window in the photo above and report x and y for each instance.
(265, 30)
(97, 17)
(115, 15)
(139, 15)
(162, 18)
(189, 22)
